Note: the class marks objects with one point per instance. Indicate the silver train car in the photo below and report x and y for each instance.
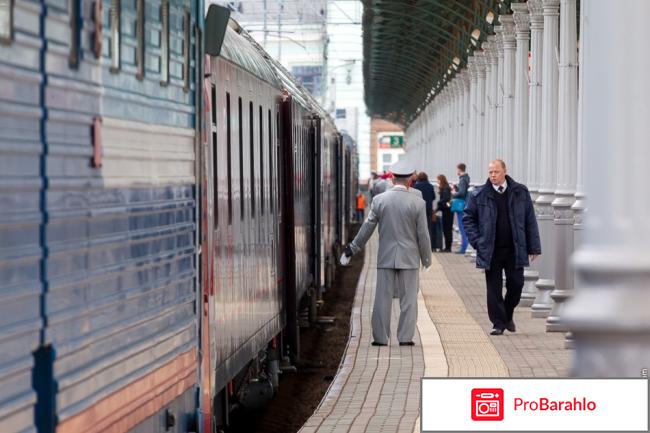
(168, 219)
(274, 157)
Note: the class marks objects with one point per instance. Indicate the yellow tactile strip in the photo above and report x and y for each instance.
(531, 351)
(468, 350)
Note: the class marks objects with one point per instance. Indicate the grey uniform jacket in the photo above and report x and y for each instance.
(403, 234)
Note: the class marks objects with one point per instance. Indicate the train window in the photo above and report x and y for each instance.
(215, 178)
(139, 34)
(186, 51)
(251, 136)
(271, 185)
(229, 157)
(262, 183)
(115, 35)
(241, 161)
(164, 43)
(75, 33)
(6, 20)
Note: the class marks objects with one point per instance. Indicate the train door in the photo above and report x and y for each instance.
(314, 146)
(287, 232)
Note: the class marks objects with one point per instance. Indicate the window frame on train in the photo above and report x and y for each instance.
(7, 23)
(164, 42)
(115, 17)
(215, 177)
(140, 39)
(76, 25)
(241, 159)
(251, 135)
(229, 156)
(187, 43)
(261, 115)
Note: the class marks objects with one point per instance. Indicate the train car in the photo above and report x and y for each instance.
(247, 311)
(162, 231)
(98, 277)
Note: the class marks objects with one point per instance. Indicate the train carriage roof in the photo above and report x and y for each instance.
(239, 48)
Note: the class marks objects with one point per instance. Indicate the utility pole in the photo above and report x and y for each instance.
(265, 28)
(280, 9)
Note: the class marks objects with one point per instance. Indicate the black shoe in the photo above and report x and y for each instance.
(510, 326)
(496, 331)
(406, 343)
(374, 343)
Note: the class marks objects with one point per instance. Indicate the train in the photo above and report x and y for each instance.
(172, 204)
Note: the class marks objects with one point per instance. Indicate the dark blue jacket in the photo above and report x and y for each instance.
(480, 221)
(462, 187)
(428, 194)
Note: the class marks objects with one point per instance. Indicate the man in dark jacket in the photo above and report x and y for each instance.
(429, 196)
(500, 223)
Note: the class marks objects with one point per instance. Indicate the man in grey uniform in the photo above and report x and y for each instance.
(403, 243)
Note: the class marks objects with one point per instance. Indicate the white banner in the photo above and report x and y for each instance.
(469, 404)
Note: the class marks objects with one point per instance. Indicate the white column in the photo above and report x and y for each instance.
(522, 34)
(499, 93)
(580, 203)
(546, 282)
(470, 148)
(491, 96)
(535, 93)
(567, 145)
(609, 313)
(507, 118)
(473, 115)
(480, 166)
(518, 165)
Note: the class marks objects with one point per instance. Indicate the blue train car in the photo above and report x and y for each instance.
(99, 216)
(21, 213)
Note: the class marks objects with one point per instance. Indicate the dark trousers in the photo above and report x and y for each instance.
(500, 310)
(360, 213)
(447, 225)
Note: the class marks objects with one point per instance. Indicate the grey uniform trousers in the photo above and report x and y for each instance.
(405, 281)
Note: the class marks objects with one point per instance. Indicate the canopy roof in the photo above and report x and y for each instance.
(411, 48)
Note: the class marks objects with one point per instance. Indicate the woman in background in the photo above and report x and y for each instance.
(444, 207)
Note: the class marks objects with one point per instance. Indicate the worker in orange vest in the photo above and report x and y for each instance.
(361, 206)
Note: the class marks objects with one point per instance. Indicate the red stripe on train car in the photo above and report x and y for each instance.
(129, 406)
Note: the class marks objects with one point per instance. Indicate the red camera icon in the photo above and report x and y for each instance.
(487, 404)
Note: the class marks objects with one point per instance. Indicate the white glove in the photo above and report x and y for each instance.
(344, 260)
(426, 268)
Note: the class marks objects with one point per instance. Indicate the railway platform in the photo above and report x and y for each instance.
(377, 389)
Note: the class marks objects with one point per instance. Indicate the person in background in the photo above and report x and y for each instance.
(374, 178)
(501, 226)
(460, 194)
(429, 196)
(383, 184)
(443, 206)
(361, 206)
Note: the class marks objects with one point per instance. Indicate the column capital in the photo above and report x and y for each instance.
(536, 14)
(481, 63)
(498, 38)
(472, 66)
(551, 7)
(508, 31)
(464, 77)
(522, 20)
(491, 49)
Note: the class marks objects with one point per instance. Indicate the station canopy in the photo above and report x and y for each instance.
(412, 48)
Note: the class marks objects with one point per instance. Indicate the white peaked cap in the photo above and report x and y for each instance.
(402, 168)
